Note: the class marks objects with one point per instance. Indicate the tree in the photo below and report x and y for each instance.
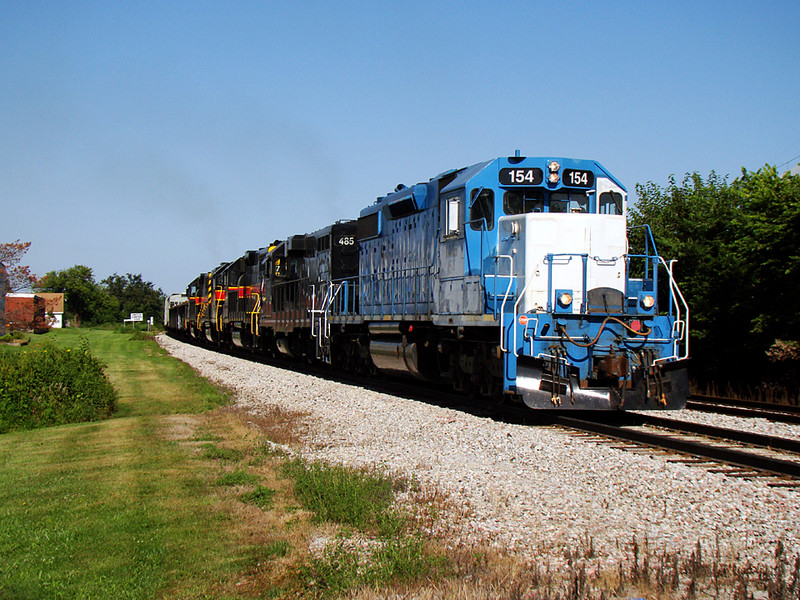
(134, 295)
(769, 242)
(738, 251)
(19, 276)
(85, 301)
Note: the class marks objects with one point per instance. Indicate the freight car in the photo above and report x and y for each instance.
(515, 278)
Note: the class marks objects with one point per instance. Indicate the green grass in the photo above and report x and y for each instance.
(237, 477)
(88, 511)
(363, 501)
(114, 509)
(164, 500)
(214, 452)
(261, 496)
(341, 495)
(147, 379)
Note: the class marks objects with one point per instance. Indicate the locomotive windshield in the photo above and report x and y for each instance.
(569, 202)
(523, 201)
(519, 202)
(611, 203)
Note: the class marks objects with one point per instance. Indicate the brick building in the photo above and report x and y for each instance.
(25, 312)
(3, 290)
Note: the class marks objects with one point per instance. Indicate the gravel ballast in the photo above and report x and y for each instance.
(526, 490)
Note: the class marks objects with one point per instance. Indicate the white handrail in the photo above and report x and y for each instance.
(516, 307)
(505, 296)
(681, 326)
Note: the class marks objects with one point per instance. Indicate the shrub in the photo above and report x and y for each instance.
(52, 386)
(14, 336)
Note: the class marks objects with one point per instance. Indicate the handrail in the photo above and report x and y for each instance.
(511, 278)
(516, 311)
(254, 313)
(680, 331)
(320, 315)
(391, 289)
(202, 311)
(549, 259)
(495, 276)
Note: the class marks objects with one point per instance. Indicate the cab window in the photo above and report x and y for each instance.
(610, 203)
(481, 210)
(452, 209)
(517, 203)
(569, 202)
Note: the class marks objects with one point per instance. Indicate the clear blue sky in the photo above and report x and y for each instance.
(163, 138)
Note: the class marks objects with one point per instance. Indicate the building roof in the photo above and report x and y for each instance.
(54, 302)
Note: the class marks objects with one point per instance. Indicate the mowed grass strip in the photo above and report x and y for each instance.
(119, 508)
(105, 510)
(147, 379)
(167, 501)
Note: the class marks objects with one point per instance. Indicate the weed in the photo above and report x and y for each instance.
(206, 436)
(214, 452)
(340, 495)
(142, 335)
(237, 477)
(261, 496)
(277, 549)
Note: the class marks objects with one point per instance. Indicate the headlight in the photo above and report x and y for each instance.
(565, 299)
(553, 167)
(648, 302)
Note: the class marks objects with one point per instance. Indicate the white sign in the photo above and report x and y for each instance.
(137, 317)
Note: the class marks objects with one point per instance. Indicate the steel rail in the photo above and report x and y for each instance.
(780, 414)
(729, 456)
(745, 437)
(752, 404)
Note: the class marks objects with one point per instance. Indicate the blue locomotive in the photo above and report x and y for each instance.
(513, 278)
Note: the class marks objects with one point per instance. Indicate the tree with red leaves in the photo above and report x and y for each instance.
(19, 276)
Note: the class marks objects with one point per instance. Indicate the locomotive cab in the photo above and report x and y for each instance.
(578, 331)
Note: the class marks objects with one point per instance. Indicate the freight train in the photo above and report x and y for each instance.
(516, 279)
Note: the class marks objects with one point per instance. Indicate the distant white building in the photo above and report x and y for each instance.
(54, 309)
(795, 170)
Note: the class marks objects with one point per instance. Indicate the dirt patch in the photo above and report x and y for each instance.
(179, 428)
(277, 424)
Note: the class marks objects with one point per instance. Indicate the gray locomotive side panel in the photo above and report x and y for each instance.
(397, 263)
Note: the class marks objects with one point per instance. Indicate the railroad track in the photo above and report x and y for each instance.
(717, 444)
(745, 408)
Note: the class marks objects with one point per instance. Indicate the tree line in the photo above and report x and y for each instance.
(738, 251)
(86, 302)
(113, 299)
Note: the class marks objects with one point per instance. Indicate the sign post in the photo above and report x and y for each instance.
(135, 318)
